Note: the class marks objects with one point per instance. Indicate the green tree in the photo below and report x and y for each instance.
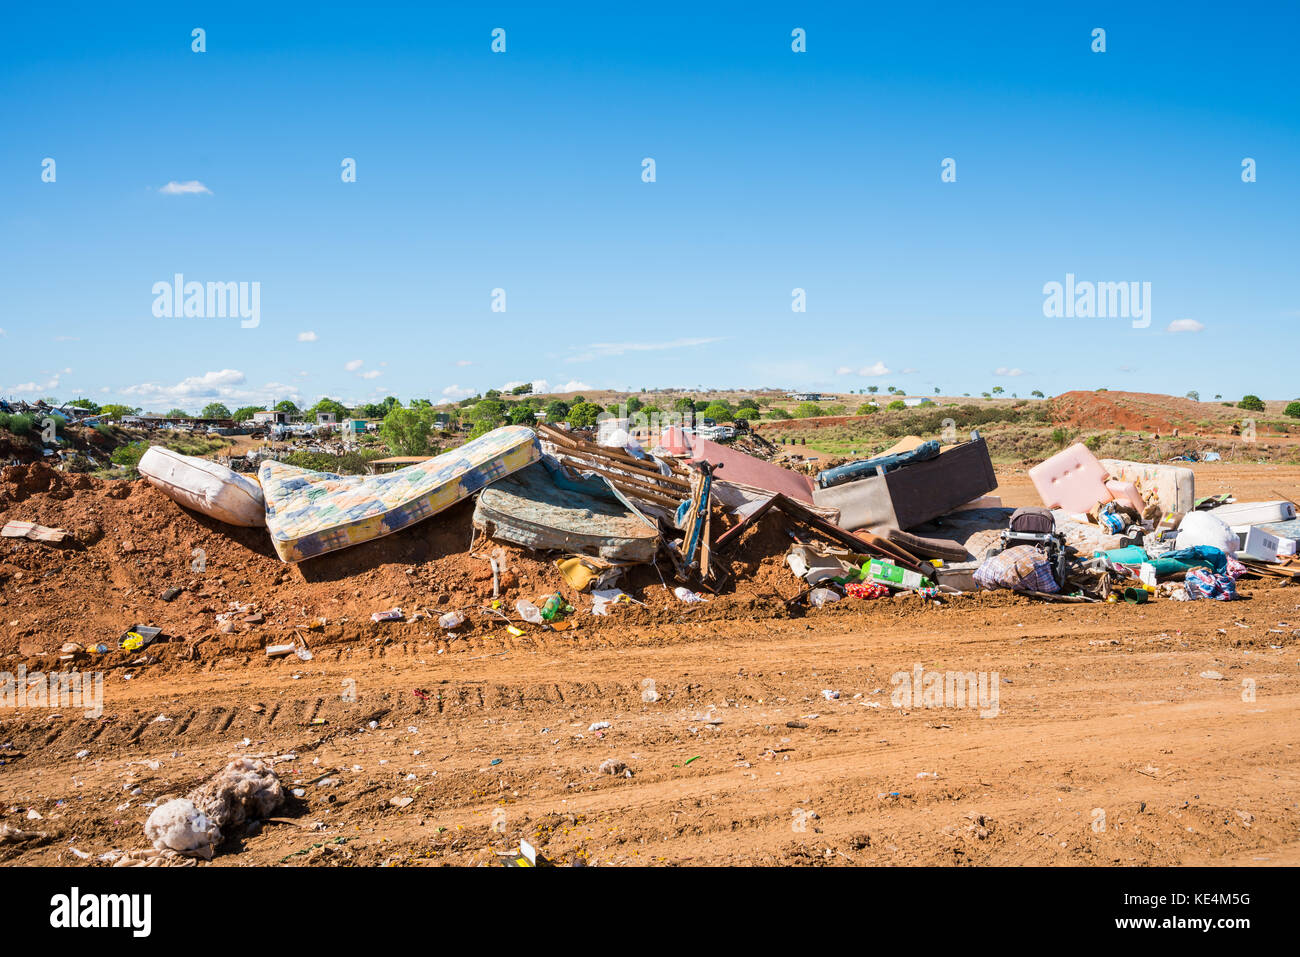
(87, 404)
(776, 414)
(873, 389)
(406, 431)
(998, 390)
(245, 412)
(808, 410)
(1036, 394)
(331, 405)
(557, 411)
(287, 406)
(896, 405)
(719, 411)
(1292, 410)
(583, 414)
(1251, 403)
(215, 410)
(177, 414)
(1194, 396)
(487, 412)
(114, 412)
(522, 414)
(524, 389)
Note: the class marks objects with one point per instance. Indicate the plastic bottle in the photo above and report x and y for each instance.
(528, 611)
(554, 607)
(452, 619)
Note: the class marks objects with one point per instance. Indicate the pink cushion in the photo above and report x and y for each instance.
(1127, 493)
(1073, 480)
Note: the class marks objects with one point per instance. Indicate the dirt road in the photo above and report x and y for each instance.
(1108, 745)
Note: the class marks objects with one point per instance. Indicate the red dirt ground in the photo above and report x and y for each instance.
(740, 759)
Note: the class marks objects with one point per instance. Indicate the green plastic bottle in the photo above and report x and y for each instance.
(555, 607)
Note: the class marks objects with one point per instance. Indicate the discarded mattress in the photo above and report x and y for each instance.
(311, 513)
(204, 486)
(1173, 486)
(541, 508)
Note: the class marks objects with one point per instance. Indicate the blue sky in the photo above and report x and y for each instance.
(522, 171)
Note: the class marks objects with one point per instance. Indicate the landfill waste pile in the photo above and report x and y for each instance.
(530, 541)
(198, 552)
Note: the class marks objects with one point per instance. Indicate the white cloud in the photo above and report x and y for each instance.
(843, 370)
(878, 369)
(602, 350)
(1185, 325)
(35, 388)
(371, 374)
(226, 384)
(464, 362)
(1004, 371)
(210, 384)
(188, 187)
(306, 337)
(354, 365)
(453, 392)
(573, 385)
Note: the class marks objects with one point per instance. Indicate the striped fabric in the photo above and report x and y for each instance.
(311, 513)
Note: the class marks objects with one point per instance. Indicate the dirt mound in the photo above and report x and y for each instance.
(129, 544)
(1139, 411)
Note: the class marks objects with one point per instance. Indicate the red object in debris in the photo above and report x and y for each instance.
(739, 467)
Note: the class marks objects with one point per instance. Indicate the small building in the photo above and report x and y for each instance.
(326, 418)
(270, 417)
(805, 396)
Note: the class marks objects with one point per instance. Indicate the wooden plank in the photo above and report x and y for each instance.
(672, 484)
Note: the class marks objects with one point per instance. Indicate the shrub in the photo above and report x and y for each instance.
(129, 454)
(407, 430)
(1292, 410)
(583, 414)
(1252, 403)
(19, 423)
(349, 463)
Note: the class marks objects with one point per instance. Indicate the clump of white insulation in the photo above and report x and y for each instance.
(197, 824)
